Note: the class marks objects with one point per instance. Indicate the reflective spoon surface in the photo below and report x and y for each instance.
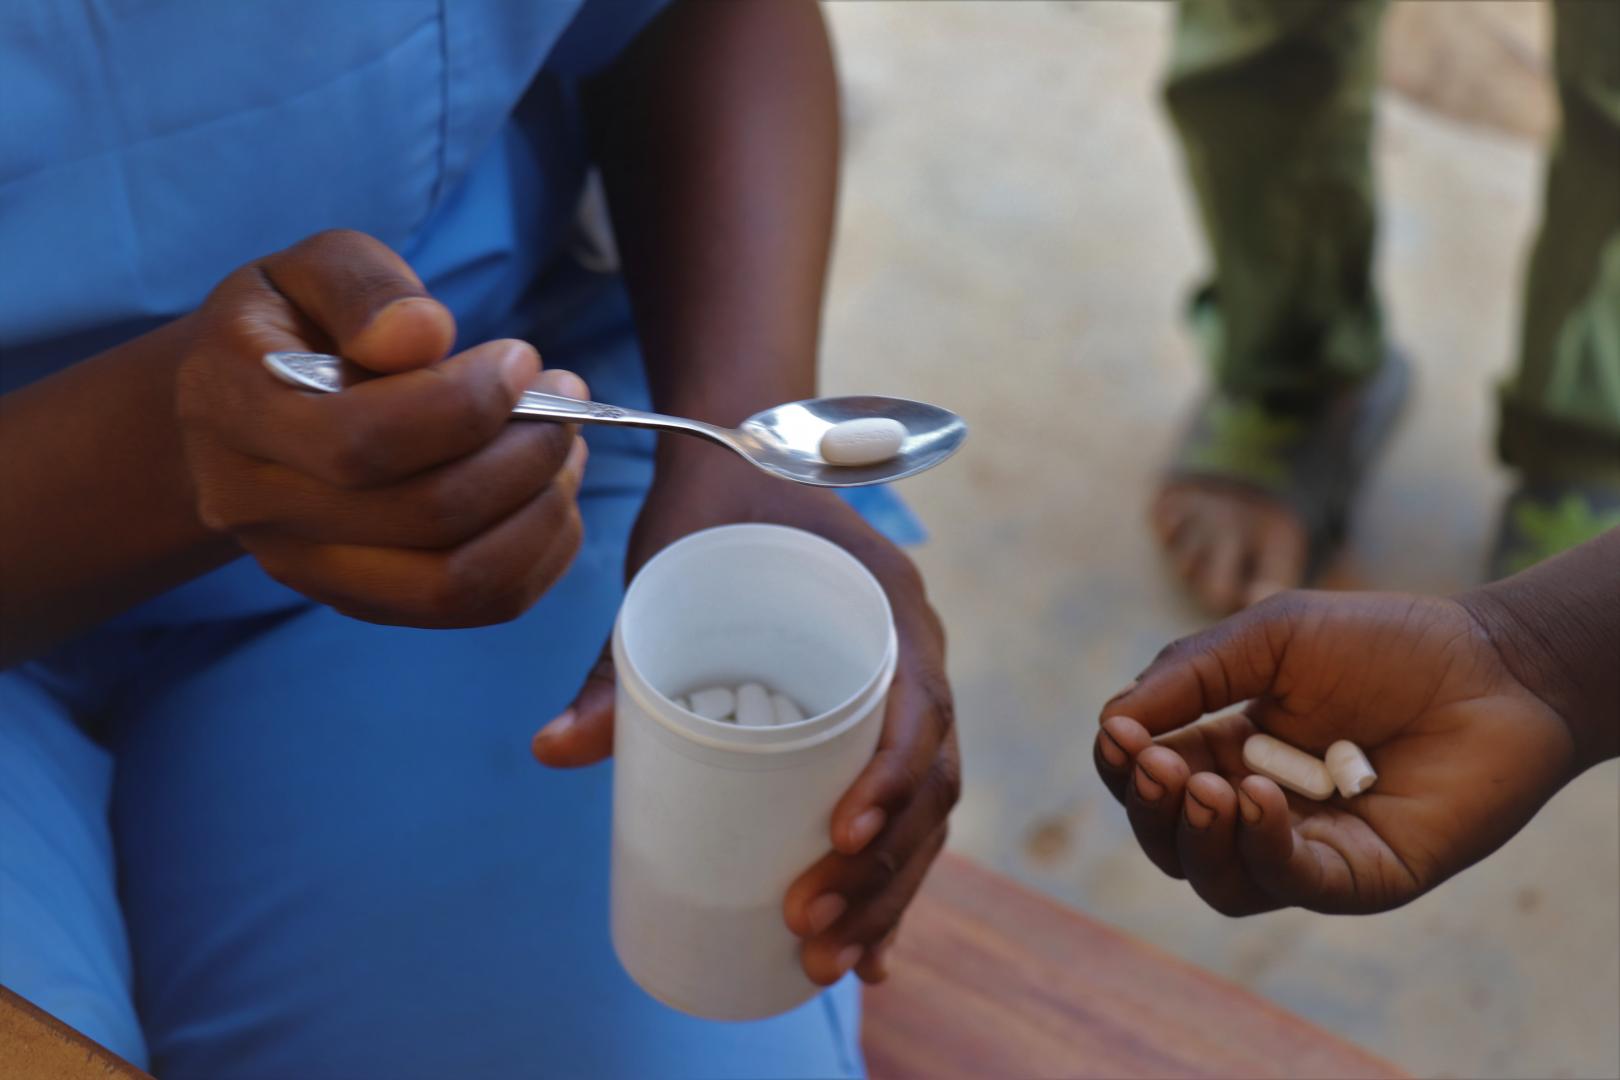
(784, 440)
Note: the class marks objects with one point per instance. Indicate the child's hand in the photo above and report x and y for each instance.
(407, 499)
(1465, 754)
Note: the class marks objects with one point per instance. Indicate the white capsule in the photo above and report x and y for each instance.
(866, 441)
(715, 703)
(787, 710)
(1352, 772)
(754, 706)
(1294, 769)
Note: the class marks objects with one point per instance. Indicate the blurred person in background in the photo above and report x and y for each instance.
(259, 814)
(1273, 102)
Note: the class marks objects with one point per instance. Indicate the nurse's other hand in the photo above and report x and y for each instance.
(405, 499)
(1465, 753)
(891, 823)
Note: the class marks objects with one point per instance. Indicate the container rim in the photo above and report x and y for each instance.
(777, 738)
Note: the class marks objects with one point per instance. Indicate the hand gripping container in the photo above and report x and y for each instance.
(712, 822)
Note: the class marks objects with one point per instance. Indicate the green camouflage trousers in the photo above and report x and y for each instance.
(1273, 100)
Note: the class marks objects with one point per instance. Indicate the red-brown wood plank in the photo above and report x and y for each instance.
(990, 979)
(34, 1045)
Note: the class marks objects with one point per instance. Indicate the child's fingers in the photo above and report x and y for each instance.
(1265, 834)
(1214, 744)
(1282, 863)
(1219, 746)
(1153, 803)
(1207, 845)
(1113, 765)
(1119, 740)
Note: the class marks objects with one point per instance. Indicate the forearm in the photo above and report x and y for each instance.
(97, 512)
(717, 135)
(1557, 626)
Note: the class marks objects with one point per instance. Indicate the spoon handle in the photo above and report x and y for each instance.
(541, 406)
(319, 371)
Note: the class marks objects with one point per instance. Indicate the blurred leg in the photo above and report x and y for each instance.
(1560, 422)
(1273, 100)
(1561, 410)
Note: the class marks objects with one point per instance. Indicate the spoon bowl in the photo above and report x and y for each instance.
(784, 440)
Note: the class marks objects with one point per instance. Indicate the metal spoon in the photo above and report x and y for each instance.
(783, 441)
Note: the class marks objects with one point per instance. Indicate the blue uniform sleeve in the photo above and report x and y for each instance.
(601, 30)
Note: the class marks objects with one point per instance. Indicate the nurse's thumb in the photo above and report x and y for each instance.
(582, 734)
(364, 299)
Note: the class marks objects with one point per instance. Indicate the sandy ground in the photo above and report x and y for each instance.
(1015, 242)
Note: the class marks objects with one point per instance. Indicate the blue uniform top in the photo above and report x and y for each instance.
(150, 149)
(310, 846)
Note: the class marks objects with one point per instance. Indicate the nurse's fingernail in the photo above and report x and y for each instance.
(865, 826)
(402, 304)
(389, 312)
(848, 956)
(824, 911)
(519, 363)
(1110, 750)
(562, 383)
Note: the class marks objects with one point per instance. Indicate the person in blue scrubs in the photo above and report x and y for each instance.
(272, 660)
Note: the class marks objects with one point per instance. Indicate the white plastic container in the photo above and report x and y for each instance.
(712, 821)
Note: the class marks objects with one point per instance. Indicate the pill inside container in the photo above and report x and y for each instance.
(749, 704)
(711, 702)
(764, 605)
(865, 441)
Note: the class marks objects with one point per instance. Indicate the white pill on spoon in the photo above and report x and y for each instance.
(865, 441)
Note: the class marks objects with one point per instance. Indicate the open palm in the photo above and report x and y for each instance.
(1465, 754)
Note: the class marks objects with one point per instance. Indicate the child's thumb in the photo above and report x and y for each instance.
(1234, 660)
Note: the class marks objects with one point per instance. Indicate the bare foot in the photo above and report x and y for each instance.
(1230, 547)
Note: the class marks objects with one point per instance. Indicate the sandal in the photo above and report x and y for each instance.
(1308, 455)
